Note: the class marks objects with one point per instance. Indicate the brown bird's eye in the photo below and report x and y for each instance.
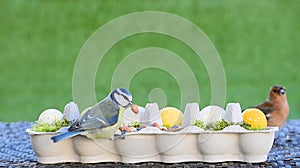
(281, 91)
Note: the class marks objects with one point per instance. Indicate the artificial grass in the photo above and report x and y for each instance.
(40, 40)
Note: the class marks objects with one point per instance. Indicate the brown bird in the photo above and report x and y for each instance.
(276, 107)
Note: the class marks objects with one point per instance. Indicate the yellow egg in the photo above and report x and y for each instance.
(171, 116)
(255, 118)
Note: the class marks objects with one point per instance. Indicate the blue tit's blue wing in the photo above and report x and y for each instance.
(65, 135)
(101, 115)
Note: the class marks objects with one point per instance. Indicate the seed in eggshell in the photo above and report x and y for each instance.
(126, 129)
(155, 124)
(163, 129)
(135, 109)
(122, 129)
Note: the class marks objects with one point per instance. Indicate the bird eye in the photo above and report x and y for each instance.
(281, 91)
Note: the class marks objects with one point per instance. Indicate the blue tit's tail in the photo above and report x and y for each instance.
(65, 135)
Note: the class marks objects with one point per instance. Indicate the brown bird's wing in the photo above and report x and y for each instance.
(266, 107)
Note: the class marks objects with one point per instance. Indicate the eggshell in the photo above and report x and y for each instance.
(211, 114)
(130, 117)
(49, 116)
(233, 113)
(71, 112)
(150, 115)
(190, 113)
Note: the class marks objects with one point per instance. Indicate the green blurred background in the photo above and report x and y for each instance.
(258, 42)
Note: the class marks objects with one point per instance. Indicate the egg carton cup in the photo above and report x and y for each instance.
(167, 147)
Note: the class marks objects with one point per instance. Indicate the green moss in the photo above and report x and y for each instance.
(213, 126)
(199, 124)
(220, 125)
(136, 124)
(43, 127)
(248, 127)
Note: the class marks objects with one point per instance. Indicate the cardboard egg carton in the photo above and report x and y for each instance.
(153, 145)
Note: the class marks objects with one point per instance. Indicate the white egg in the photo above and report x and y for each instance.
(49, 116)
(211, 114)
(234, 128)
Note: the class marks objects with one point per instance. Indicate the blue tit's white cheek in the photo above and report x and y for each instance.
(121, 100)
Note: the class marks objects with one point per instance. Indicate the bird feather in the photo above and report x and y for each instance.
(65, 135)
(103, 114)
(266, 107)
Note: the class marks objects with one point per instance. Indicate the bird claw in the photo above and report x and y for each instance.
(118, 136)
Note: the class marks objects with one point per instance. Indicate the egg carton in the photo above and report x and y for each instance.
(151, 144)
(173, 147)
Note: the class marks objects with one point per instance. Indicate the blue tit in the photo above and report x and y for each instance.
(103, 119)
